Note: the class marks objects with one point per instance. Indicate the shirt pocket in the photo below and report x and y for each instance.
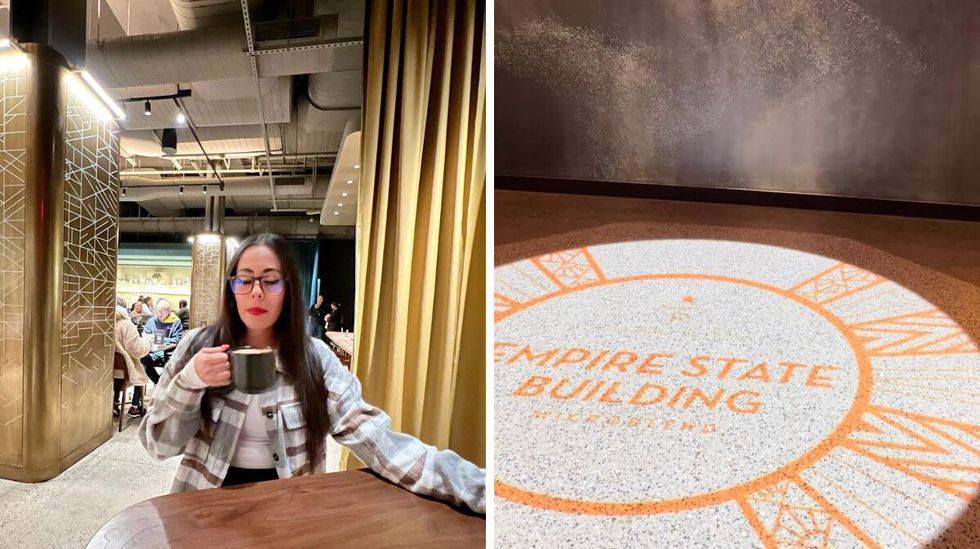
(292, 416)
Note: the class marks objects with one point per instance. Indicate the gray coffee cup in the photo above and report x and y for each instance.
(253, 370)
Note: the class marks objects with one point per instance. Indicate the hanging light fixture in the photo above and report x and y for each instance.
(181, 190)
(181, 118)
(168, 141)
(221, 186)
(147, 110)
(204, 189)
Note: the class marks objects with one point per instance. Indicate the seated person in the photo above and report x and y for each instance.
(184, 314)
(167, 321)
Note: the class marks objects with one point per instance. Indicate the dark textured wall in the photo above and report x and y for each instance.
(337, 275)
(866, 98)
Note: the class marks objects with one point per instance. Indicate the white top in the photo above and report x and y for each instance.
(253, 450)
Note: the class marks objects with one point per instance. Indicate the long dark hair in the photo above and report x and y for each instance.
(295, 347)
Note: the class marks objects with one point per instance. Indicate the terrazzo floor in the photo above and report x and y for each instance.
(67, 511)
(683, 385)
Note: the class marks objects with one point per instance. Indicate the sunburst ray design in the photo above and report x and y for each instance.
(792, 514)
(503, 305)
(939, 452)
(928, 332)
(569, 268)
(838, 281)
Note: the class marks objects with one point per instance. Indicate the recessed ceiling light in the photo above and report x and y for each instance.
(357, 166)
(343, 194)
(181, 118)
(349, 181)
(336, 213)
(340, 205)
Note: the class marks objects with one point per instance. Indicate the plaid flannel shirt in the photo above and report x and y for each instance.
(174, 425)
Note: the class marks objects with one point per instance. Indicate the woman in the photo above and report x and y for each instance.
(229, 437)
(132, 347)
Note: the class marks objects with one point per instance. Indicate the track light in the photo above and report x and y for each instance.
(204, 189)
(181, 118)
(181, 190)
(146, 108)
(221, 186)
(124, 191)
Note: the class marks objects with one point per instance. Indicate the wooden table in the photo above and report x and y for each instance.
(343, 340)
(348, 509)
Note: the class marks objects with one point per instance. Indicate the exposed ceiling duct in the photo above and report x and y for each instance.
(153, 189)
(297, 225)
(220, 140)
(217, 53)
(318, 41)
(193, 14)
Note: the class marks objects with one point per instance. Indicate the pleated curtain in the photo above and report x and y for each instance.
(420, 307)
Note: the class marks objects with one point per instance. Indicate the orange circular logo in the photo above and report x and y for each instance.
(707, 382)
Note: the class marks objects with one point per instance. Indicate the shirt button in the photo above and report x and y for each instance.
(275, 457)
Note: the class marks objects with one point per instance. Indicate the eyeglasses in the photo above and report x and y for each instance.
(244, 284)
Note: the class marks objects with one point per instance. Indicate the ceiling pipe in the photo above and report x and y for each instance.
(258, 99)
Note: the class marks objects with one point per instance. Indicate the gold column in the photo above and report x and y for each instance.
(14, 73)
(59, 218)
(42, 267)
(207, 277)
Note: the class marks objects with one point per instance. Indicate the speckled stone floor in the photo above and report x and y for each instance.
(683, 385)
(67, 510)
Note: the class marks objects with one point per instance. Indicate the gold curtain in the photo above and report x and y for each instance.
(420, 320)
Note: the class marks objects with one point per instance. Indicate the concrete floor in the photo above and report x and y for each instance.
(885, 451)
(66, 511)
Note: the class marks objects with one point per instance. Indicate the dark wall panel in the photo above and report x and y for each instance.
(337, 276)
(865, 98)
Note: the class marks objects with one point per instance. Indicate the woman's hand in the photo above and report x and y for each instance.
(211, 365)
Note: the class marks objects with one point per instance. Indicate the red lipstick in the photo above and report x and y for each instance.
(256, 311)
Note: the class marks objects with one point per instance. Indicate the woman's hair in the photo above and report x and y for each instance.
(295, 347)
(120, 302)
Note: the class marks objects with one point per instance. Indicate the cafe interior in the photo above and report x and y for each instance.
(141, 142)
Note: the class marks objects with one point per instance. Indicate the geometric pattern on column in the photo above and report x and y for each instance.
(91, 207)
(13, 157)
(207, 278)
